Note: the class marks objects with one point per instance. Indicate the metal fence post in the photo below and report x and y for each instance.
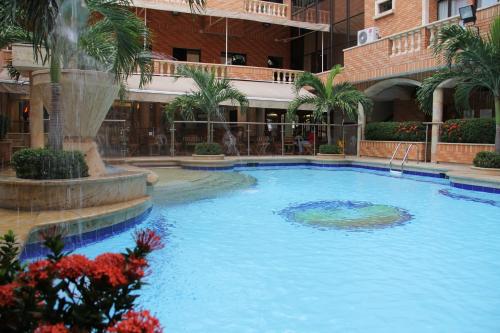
(248, 139)
(172, 140)
(314, 140)
(282, 139)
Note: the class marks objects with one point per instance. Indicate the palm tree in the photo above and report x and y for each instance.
(211, 92)
(473, 62)
(106, 31)
(328, 97)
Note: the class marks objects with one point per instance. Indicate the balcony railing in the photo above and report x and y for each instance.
(170, 68)
(266, 8)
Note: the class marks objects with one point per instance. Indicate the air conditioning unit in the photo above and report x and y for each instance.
(368, 35)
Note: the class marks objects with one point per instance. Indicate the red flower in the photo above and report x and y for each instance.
(57, 328)
(38, 271)
(73, 266)
(135, 267)
(110, 266)
(7, 294)
(137, 322)
(147, 240)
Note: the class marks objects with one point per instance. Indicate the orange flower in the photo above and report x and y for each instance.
(73, 266)
(57, 328)
(109, 267)
(147, 240)
(7, 294)
(137, 322)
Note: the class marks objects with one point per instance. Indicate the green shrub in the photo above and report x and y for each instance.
(487, 159)
(49, 164)
(395, 131)
(329, 149)
(477, 130)
(208, 149)
(4, 126)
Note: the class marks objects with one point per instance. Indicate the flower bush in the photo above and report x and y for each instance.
(395, 131)
(70, 293)
(208, 149)
(477, 130)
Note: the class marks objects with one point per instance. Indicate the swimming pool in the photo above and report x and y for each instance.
(326, 250)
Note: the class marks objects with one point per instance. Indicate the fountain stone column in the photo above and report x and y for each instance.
(37, 139)
(86, 97)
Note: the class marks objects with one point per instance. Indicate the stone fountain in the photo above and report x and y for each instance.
(86, 97)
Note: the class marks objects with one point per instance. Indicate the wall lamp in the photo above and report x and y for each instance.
(468, 14)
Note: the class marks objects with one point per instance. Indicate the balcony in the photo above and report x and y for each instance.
(246, 73)
(406, 52)
(253, 10)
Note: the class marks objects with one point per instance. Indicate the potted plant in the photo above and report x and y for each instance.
(5, 145)
(330, 151)
(208, 151)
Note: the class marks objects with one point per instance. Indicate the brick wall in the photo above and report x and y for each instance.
(460, 152)
(406, 14)
(208, 34)
(407, 111)
(385, 149)
(378, 60)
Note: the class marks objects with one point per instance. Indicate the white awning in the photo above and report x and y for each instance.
(164, 89)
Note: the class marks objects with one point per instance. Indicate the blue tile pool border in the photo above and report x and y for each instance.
(440, 175)
(37, 250)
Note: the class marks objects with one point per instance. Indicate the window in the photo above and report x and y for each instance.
(190, 55)
(449, 8)
(233, 58)
(275, 62)
(486, 3)
(383, 7)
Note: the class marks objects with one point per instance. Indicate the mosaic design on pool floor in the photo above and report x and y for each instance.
(346, 215)
(456, 196)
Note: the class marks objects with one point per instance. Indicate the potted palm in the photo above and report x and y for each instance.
(5, 145)
(212, 91)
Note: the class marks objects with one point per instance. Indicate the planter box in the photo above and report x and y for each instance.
(208, 157)
(5, 151)
(463, 153)
(331, 156)
(385, 149)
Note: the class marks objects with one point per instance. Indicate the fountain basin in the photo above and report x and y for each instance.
(43, 195)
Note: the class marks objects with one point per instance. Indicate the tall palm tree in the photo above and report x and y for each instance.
(211, 92)
(472, 61)
(66, 33)
(328, 97)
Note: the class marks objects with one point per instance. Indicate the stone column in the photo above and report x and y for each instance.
(437, 116)
(425, 12)
(37, 139)
(361, 127)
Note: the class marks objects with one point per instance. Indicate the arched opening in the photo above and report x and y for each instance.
(394, 100)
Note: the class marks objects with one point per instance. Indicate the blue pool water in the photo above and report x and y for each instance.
(267, 259)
